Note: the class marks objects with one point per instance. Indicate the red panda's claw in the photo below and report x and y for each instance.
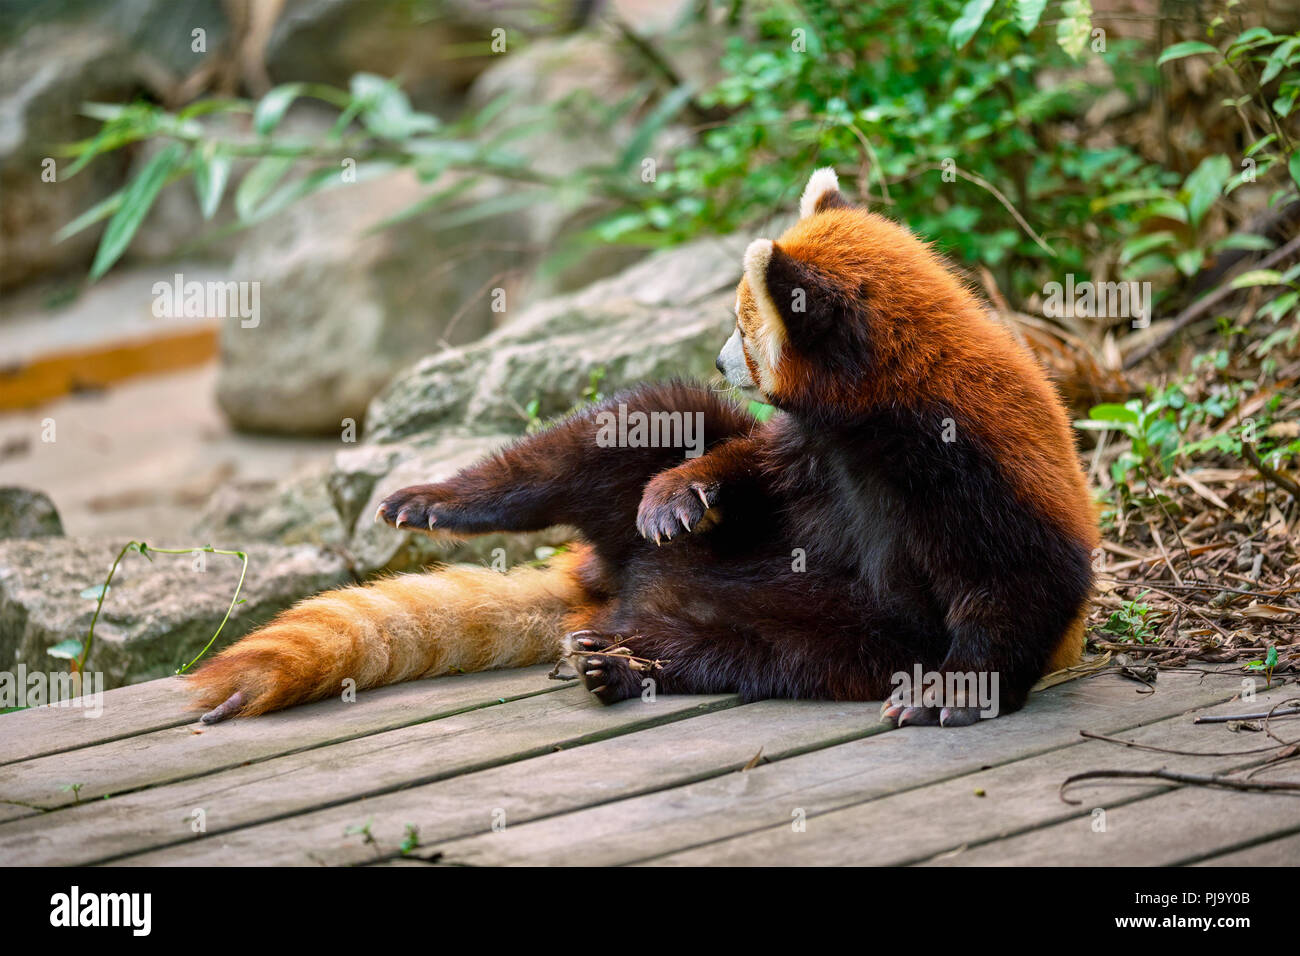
(889, 712)
(919, 717)
(959, 716)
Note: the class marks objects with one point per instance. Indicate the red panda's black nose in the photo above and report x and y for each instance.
(717, 363)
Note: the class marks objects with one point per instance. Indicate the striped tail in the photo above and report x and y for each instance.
(414, 625)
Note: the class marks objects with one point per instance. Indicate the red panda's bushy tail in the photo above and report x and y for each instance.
(414, 625)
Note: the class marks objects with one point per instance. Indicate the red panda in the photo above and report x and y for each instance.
(917, 505)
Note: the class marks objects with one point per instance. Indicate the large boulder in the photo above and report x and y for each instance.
(663, 318)
(343, 308)
(157, 614)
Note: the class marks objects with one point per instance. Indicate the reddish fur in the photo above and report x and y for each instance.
(970, 556)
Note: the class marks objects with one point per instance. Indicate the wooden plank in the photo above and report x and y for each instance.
(981, 811)
(659, 757)
(175, 753)
(1170, 829)
(1281, 851)
(844, 776)
(366, 766)
(127, 711)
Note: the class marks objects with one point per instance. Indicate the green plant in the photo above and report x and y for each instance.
(1266, 665)
(76, 652)
(1131, 622)
(74, 789)
(411, 839)
(1263, 71)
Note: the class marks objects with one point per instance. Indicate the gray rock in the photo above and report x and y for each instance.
(665, 317)
(55, 56)
(25, 513)
(377, 547)
(327, 41)
(342, 309)
(157, 615)
(297, 510)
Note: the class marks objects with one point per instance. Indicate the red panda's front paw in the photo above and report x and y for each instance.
(427, 508)
(673, 504)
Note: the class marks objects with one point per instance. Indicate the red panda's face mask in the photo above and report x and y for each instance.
(772, 297)
(840, 295)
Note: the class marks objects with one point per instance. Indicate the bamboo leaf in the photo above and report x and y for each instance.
(136, 202)
(272, 107)
(211, 173)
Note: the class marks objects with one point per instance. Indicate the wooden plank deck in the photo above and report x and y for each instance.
(510, 768)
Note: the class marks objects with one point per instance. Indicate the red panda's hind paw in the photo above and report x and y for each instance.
(959, 716)
(671, 506)
(900, 715)
(609, 676)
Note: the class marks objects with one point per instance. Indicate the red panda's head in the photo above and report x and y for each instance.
(844, 304)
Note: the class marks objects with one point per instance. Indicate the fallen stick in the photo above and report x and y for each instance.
(1264, 715)
(1174, 776)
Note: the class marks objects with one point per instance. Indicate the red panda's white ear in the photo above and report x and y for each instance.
(821, 184)
(770, 336)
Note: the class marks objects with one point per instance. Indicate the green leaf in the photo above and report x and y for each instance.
(136, 201)
(1074, 29)
(1028, 13)
(1189, 261)
(259, 182)
(68, 650)
(211, 171)
(386, 110)
(1294, 166)
(1140, 245)
(639, 145)
(272, 107)
(1204, 185)
(1113, 412)
(216, 105)
(1277, 60)
(1127, 196)
(1257, 277)
(95, 593)
(1244, 240)
(1275, 309)
(1180, 50)
(101, 210)
(968, 23)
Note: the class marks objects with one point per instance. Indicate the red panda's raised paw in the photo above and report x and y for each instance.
(427, 508)
(673, 504)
